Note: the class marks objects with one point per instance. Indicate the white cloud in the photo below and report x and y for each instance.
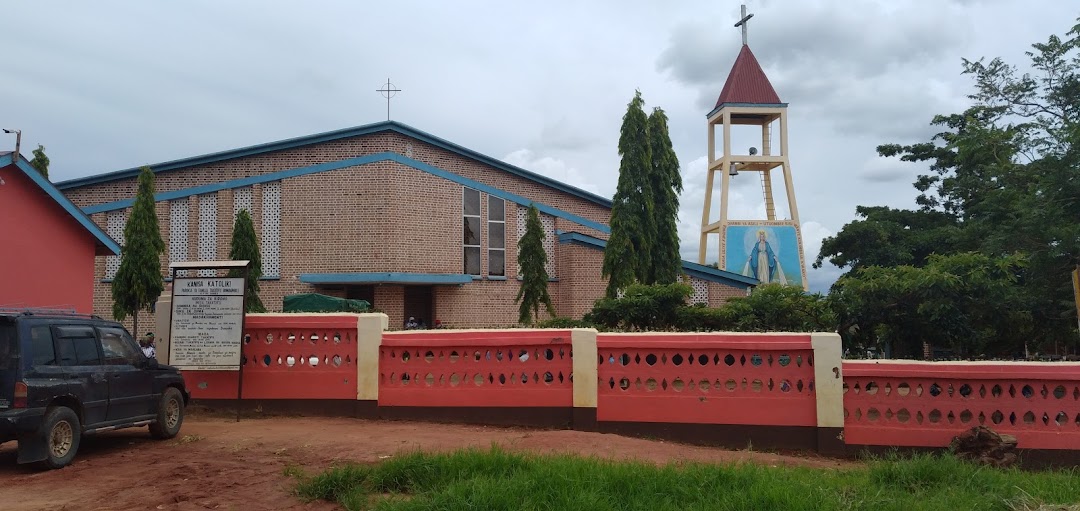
(551, 167)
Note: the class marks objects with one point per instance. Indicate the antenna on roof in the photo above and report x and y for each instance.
(742, 23)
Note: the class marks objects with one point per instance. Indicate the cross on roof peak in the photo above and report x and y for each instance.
(742, 23)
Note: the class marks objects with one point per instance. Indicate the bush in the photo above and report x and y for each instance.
(641, 308)
(564, 323)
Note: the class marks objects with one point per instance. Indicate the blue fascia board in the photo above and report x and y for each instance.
(351, 162)
(693, 269)
(61, 200)
(384, 278)
(336, 135)
(762, 105)
(701, 269)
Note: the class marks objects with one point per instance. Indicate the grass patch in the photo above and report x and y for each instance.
(495, 479)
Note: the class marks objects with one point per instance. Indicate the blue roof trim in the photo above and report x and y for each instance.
(490, 190)
(56, 195)
(336, 135)
(385, 278)
(763, 105)
(351, 162)
(692, 269)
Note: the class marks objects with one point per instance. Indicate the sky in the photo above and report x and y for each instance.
(110, 85)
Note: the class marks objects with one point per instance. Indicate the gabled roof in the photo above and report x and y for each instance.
(367, 129)
(105, 244)
(747, 83)
(693, 269)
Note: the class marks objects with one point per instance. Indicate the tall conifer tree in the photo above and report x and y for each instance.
(534, 277)
(138, 283)
(633, 234)
(245, 247)
(666, 185)
(40, 161)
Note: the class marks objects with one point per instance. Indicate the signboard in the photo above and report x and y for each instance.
(207, 323)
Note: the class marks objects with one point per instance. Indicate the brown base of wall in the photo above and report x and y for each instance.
(733, 436)
(541, 417)
(584, 419)
(1032, 459)
(316, 407)
(830, 441)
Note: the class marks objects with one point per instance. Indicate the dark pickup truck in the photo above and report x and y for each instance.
(63, 376)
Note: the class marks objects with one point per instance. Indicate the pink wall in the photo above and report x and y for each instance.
(46, 257)
(472, 368)
(925, 404)
(711, 378)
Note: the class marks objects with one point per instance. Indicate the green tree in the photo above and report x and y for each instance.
(245, 247)
(1002, 185)
(666, 263)
(40, 161)
(534, 276)
(967, 302)
(628, 255)
(138, 283)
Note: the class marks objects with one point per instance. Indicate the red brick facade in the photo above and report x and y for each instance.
(383, 216)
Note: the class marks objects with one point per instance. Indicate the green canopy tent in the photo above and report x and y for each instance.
(314, 302)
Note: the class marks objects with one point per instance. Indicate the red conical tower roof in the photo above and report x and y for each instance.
(747, 83)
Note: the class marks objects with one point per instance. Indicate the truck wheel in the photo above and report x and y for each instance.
(61, 432)
(170, 415)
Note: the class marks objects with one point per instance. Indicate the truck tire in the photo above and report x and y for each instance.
(170, 415)
(61, 432)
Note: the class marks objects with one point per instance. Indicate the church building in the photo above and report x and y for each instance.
(416, 225)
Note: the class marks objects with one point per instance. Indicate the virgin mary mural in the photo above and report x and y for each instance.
(762, 263)
(768, 254)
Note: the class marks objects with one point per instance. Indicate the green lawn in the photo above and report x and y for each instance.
(496, 479)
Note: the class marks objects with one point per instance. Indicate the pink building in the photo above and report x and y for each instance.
(416, 225)
(47, 245)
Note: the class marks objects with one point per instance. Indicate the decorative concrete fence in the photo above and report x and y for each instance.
(925, 404)
(775, 390)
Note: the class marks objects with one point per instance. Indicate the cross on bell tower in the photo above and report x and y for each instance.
(743, 22)
(769, 249)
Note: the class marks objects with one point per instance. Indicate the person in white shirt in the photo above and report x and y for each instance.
(147, 345)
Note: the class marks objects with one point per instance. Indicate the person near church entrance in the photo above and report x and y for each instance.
(147, 345)
(411, 324)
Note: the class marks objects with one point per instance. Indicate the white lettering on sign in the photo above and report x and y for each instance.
(207, 324)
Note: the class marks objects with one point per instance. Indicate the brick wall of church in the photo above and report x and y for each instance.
(377, 217)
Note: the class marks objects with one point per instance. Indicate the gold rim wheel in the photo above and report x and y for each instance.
(172, 414)
(61, 438)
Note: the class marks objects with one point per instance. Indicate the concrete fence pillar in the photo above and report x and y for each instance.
(583, 341)
(162, 324)
(829, 389)
(369, 330)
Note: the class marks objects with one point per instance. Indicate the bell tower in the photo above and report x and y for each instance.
(768, 249)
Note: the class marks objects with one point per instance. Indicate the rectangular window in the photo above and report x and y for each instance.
(270, 244)
(78, 345)
(178, 232)
(208, 231)
(41, 343)
(496, 237)
(9, 346)
(115, 221)
(471, 235)
(118, 347)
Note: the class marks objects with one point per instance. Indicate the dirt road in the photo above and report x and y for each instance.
(216, 463)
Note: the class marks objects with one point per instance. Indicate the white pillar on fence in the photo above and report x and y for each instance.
(369, 329)
(829, 379)
(583, 341)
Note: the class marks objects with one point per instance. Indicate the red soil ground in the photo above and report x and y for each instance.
(217, 463)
